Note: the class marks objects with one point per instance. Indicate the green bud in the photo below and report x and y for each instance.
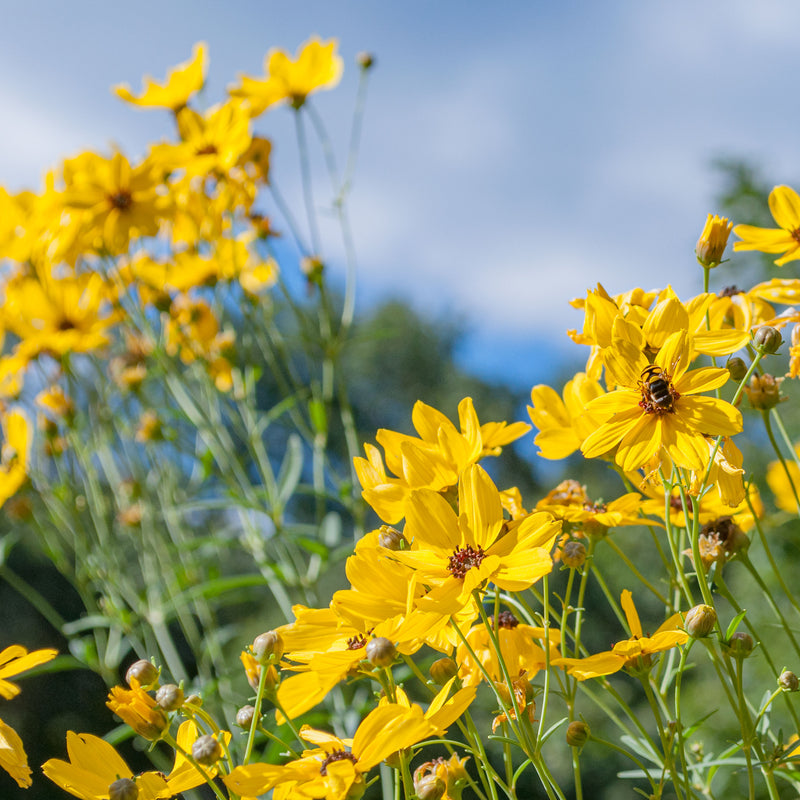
(381, 651)
(700, 621)
(578, 733)
(768, 339)
(206, 750)
(442, 670)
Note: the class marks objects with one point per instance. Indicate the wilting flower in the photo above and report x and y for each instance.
(137, 708)
(784, 203)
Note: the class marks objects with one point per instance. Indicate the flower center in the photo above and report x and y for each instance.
(730, 291)
(464, 559)
(658, 393)
(121, 200)
(505, 619)
(796, 235)
(336, 755)
(357, 642)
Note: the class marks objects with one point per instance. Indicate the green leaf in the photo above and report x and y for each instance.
(735, 624)
(291, 468)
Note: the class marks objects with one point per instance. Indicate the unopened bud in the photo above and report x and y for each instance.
(577, 733)
(788, 681)
(737, 368)
(170, 697)
(390, 538)
(768, 339)
(244, 716)
(123, 789)
(267, 647)
(573, 554)
(365, 60)
(741, 644)
(430, 787)
(206, 750)
(381, 651)
(442, 670)
(713, 240)
(193, 700)
(700, 621)
(143, 672)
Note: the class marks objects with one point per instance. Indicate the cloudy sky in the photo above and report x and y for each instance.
(513, 155)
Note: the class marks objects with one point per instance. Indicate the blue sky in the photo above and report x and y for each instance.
(513, 155)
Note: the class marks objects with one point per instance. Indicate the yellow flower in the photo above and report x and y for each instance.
(14, 457)
(137, 708)
(563, 425)
(331, 770)
(785, 485)
(317, 66)
(118, 201)
(14, 660)
(181, 83)
(94, 766)
(784, 204)
(658, 414)
(713, 240)
(632, 652)
(459, 553)
(521, 646)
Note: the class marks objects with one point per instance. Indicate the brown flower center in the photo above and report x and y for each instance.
(336, 755)
(505, 619)
(464, 559)
(357, 642)
(121, 200)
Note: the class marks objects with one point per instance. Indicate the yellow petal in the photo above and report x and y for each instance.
(626, 599)
(785, 207)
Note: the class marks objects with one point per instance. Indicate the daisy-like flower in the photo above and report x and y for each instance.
(138, 709)
(784, 203)
(658, 411)
(335, 768)
(94, 767)
(456, 554)
(14, 660)
(630, 652)
(181, 83)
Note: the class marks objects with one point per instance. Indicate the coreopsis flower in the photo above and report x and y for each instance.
(719, 541)
(633, 652)
(658, 412)
(181, 83)
(713, 240)
(784, 204)
(335, 769)
(433, 461)
(563, 424)
(135, 707)
(71, 314)
(316, 66)
(521, 647)
(14, 660)
(14, 455)
(119, 201)
(94, 766)
(459, 553)
(212, 142)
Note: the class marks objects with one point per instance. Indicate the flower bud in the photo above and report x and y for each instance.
(764, 391)
(700, 621)
(244, 716)
(442, 670)
(390, 538)
(193, 700)
(429, 787)
(145, 673)
(170, 697)
(788, 681)
(365, 60)
(312, 267)
(577, 733)
(206, 750)
(741, 644)
(267, 647)
(381, 651)
(737, 367)
(123, 789)
(768, 339)
(573, 554)
(713, 240)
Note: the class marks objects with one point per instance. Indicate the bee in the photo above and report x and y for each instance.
(658, 396)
